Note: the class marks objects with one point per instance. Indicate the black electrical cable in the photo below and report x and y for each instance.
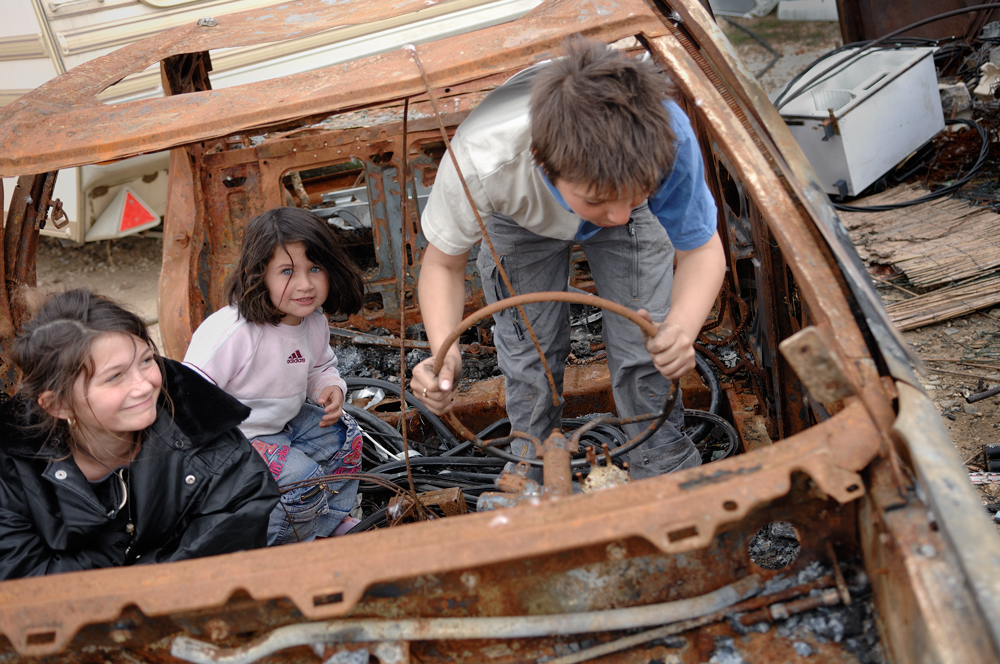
(882, 40)
(482, 435)
(714, 421)
(780, 100)
(446, 435)
(760, 40)
(715, 391)
(437, 461)
(371, 521)
(374, 424)
(943, 191)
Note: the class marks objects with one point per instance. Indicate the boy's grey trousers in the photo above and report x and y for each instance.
(631, 265)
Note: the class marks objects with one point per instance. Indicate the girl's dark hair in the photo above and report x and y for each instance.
(597, 118)
(245, 286)
(54, 348)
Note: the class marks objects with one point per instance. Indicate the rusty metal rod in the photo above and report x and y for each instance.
(418, 507)
(363, 339)
(973, 398)
(437, 629)
(486, 239)
(782, 610)
(634, 640)
(647, 328)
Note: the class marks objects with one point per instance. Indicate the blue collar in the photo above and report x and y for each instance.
(586, 229)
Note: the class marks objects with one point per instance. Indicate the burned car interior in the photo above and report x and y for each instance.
(829, 482)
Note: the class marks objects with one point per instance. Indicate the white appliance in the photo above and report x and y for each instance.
(865, 116)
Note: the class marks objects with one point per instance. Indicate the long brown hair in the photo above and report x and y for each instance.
(245, 286)
(54, 349)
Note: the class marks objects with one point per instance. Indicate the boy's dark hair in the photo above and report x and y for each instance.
(597, 117)
(265, 233)
(54, 349)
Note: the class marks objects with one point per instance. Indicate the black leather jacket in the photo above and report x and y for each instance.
(197, 488)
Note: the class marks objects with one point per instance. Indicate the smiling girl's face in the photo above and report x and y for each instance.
(121, 395)
(297, 286)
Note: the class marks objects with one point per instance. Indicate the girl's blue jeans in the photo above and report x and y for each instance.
(304, 451)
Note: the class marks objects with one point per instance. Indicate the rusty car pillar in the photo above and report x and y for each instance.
(28, 208)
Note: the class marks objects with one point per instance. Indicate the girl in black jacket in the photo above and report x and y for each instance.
(112, 455)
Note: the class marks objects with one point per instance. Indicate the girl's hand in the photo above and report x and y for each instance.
(436, 391)
(332, 399)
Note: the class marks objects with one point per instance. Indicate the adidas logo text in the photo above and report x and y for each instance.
(295, 358)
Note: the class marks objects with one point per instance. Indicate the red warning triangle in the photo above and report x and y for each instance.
(134, 214)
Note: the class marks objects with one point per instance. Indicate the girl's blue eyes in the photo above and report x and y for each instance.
(288, 271)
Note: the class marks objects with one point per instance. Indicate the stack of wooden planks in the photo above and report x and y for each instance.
(949, 248)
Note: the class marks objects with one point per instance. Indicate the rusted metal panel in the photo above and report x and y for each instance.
(451, 501)
(944, 480)
(39, 142)
(700, 503)
(750, 105)
(870, 19)
(934, 615)
(746, 413)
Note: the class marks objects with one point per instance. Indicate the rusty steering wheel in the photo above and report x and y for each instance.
(490, 446)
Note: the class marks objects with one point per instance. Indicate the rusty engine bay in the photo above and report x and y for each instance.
(831, 518)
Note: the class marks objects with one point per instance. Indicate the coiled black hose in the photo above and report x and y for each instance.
(712, 421)
(375, 424)
(439, 462)
(715, 391)
(446, 435)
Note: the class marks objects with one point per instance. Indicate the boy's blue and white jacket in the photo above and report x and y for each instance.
(493, 148)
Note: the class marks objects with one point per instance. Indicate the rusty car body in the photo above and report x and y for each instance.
(839, 439)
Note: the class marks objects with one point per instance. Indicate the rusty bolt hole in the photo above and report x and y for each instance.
(332, 598)
(730, 506)
(682, 534)
(41, 638)
(775, 546)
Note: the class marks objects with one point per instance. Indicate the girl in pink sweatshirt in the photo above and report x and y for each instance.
(270, 348)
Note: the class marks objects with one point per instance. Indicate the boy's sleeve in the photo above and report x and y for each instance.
(448, 221)
(683, 203)
(324, 372)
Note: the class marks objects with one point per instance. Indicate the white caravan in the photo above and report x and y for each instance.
(40, 39)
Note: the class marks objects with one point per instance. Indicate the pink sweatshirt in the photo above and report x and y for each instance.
(272, 369)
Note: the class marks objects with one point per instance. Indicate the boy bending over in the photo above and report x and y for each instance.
(588, 149)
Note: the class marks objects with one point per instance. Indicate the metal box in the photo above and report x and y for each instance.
(866, 116)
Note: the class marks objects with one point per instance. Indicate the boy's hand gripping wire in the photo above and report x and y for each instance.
(436, 389)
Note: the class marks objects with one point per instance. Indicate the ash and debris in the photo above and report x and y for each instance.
(381, 362)
(725, 652)
(813, 571)
(853, 626)
(360, 361)
(802, 649)
(775, 546)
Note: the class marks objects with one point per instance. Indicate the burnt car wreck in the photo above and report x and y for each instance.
(841, 451)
